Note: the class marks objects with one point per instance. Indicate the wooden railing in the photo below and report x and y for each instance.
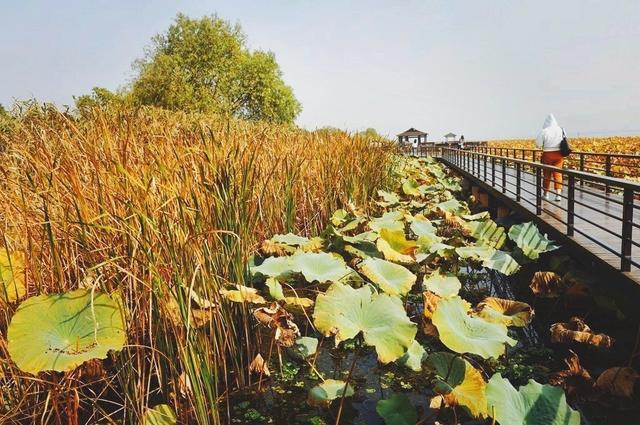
(522, 180)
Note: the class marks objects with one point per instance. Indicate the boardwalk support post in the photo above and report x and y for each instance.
(538, 191)
(627, 229)
(518, 180)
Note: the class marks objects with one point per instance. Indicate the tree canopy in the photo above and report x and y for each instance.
(204, 65)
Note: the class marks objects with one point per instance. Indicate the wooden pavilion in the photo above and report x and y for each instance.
(413, 136)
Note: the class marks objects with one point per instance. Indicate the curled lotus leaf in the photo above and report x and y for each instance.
(389, 199)
(575, 379)
(414, 356)
(458, 383)
(618, 381)
(475, 252)
(488, 233)
(530, 240)
(243, 294)
(463, 333)
(395, 247)
(279, 319)
(162, 414)
(430, 303)
(345, 312)
(484, 215)
(442, 284)
(323, 394)
(259, 366)
(577, 330)
(532, 404)
(502, 262)
(547, 284)
(392, 278)
(12, 276)
(507, 312)
(299, 301)
(397, 410)
(61, 331)
(411, 187)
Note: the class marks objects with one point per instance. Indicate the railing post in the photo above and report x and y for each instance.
(582, 167)
(538, 190)
(484, 160)
(571, 205)
(504, 176)
(607, 171)
(493, 171)
(627, 229)
(518, 184)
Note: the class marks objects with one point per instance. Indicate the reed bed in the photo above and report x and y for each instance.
(155, 205)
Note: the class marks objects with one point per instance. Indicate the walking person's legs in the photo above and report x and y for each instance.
(555, 159)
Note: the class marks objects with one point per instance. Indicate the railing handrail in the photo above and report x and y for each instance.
(609, 154)
(611, 181)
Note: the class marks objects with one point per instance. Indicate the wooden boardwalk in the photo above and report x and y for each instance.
(597, 215)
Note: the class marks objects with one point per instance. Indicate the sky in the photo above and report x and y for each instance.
(487, 69)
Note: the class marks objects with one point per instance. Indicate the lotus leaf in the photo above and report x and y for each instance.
(274, 267)
(392, 278)
(547, 285)
(323, 394)
(442, 284)
(577, 330)
(259, 366)
(618, 381)
(299, 301)
(530, 240)
(314, 266)
(466, 334)
(305, 346)
(290, 239)
(532, 404)
(476, 252)
(12, 276)
(390, 220)
(243, 294)
(575, 379)
(275, 288)
(389, 198)
(413, 357)
(395, 247)
(459, 383)
(453, 206)
(162, 414)
(411, 187)
(502, 262)
(430, 303)
(397, 410)
(507, 312)
(451, 183)
(61, 331)
(422, 228)
(345, 312)
(488, 232)
(484, 215)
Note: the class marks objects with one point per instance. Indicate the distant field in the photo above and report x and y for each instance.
(614, 144)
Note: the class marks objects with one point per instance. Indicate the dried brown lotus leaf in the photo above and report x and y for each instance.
(618, 381)
(575, 379)
(430, 302)
(507, 312)
(270, 248)
(547, 285)
(259, 366)
(276, 317)
(577, 330)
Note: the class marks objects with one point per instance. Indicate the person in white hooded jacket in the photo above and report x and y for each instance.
(549, 140)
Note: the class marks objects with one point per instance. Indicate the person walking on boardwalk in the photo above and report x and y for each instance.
(549, 140)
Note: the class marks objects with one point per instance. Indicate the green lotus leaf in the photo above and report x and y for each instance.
(361, 237)
(314, 266)
(476, 252)
(12, 276)
(345, 312)
(484, 215)
(466, 334)
(423, 228)
(321, 267)
(458, 382)
(397, 410)
(61, 331)
(532, 404)
(451, 183)
(391, 220)
(411, 187)
(395, 247)
(530, 240)
(453, 206)
(389, 198)
(290, 239)
(305, 346)
(413, 357)
(161, 414)
(442, 284)
(340, 217)
(502, 262)
(392, 278)
(488, 233)
(323, 394)
(363, 250)
(275, 288)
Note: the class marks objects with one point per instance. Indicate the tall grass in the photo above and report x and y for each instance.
(154, 204)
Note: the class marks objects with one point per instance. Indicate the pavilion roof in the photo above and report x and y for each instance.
(449, 135)
(413, 132)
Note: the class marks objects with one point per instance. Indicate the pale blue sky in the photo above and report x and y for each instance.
(489, 69)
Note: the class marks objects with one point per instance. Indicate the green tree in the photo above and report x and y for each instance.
(99, 96)
(204, 65)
